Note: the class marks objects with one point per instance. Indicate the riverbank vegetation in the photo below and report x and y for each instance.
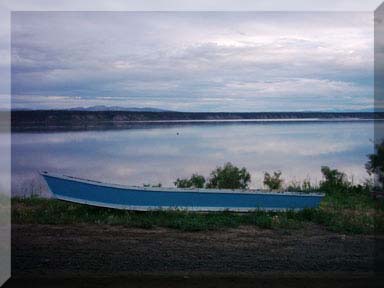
(357, 213)
(226, 177)
(346, 207)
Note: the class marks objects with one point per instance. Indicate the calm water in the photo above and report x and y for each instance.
(161, 153)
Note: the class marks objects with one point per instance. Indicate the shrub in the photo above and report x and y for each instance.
(334, 180)
(375, 165)
(196, 181)
(273, 181)
(182, 183)
(229, 177)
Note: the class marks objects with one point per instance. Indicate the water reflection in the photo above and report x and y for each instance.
(154, 153)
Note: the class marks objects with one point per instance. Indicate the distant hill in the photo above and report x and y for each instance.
(85, 119)
(117, 108)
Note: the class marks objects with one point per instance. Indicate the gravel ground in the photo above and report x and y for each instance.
(49, 252)
(94, 248)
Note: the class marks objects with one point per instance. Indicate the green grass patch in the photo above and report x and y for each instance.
(340, 212)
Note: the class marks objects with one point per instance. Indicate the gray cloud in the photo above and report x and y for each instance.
(199, 61)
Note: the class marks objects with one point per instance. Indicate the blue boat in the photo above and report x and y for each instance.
(100, 194)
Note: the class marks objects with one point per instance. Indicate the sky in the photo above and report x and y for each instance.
(193, 61)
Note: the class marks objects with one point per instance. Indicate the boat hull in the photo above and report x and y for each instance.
(144, 199)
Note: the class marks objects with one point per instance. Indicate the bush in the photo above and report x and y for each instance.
(182, 183)
(334, 180)
(229, 177)
(273, 181)
(375, 165)
(196, 181)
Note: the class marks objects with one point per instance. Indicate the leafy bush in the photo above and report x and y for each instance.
(196, 181)
(375, 165)
(273, 181)
(334, 180)
(182, 183)
(229, 177)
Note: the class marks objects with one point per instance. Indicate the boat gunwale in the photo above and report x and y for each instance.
(179, 190)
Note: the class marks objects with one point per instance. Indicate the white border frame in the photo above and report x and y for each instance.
(7, 6)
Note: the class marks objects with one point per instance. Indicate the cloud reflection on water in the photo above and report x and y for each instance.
(158, 154)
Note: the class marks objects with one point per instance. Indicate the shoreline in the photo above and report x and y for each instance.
(247, 120)
(26, 127)
(356, 214)
(71, 119)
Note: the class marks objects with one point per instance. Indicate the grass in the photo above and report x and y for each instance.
(355, 213)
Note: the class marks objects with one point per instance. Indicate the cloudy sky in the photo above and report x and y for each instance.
(193, 61)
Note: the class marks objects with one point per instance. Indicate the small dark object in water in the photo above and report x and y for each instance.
(177, 133)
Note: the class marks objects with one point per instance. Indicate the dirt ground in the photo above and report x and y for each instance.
(48, 252)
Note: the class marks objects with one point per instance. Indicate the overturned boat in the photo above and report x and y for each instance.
(100, 194)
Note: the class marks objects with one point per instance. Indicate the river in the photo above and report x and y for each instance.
(152, 153)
